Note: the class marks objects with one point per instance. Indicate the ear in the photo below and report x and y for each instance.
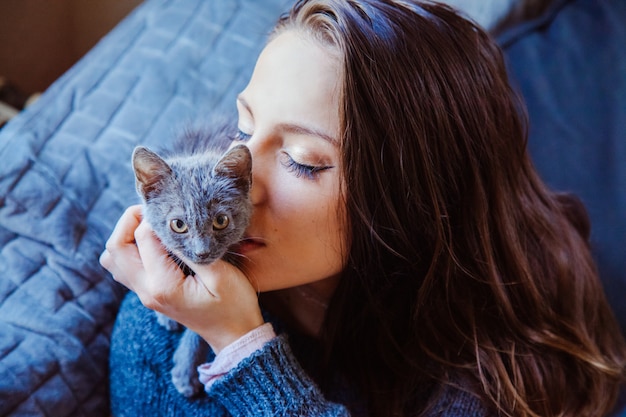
(236, 164)
(151, 171)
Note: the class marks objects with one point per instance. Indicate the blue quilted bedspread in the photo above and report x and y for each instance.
(65, 174)
(65, 178)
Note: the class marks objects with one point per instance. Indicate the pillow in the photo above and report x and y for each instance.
(570, 67)
(65, 179)
(487, 13)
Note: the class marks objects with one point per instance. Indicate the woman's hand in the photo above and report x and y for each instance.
(218, 303)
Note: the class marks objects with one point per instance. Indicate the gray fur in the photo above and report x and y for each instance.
(197, 185)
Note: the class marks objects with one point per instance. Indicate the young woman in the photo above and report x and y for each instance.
(408, 256)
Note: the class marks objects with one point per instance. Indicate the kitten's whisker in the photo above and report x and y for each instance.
(236, 254)
(234, 258)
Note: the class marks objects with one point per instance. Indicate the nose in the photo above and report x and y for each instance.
(203, 257)
(260, 170)
(202, 250)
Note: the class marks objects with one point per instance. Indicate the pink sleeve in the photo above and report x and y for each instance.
(234, 353)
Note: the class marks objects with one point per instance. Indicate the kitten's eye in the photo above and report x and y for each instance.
(220, 222)
(241, 136)
(178, 226)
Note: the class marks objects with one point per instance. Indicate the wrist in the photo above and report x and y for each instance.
(218, 340)
(234, 353)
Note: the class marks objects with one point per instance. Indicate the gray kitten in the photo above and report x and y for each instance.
(196, 198)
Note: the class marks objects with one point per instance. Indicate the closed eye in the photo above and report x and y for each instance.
(241, 136)
(310, 172)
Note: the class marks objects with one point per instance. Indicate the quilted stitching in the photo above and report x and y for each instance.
(65, 178)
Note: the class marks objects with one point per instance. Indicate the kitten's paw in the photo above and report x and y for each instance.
(168, 323)
(186, 384)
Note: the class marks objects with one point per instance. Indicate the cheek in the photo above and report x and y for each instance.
(318, 219)
(311, 205)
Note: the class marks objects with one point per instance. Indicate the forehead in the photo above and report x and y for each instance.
(297, 77)
(302, 53)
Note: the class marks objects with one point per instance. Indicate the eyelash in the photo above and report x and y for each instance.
(241, 136)
(310, 172)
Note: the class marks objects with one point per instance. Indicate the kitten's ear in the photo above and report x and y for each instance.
(151, 171)
(236, 164)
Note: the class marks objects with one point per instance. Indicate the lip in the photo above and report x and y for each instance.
(247, 245)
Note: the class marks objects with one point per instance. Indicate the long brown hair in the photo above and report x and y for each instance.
(464, 268)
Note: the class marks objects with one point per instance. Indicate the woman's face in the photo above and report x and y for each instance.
(288, 117)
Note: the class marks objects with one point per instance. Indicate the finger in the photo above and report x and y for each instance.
(221, 277)
(124, 264)
(210, 276)
(154, 256)
(106, 260)
(120, 256)
(124, 231)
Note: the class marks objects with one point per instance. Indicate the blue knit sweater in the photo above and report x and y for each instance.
(271, 382)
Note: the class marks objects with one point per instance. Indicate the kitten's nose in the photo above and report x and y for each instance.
(203, 257)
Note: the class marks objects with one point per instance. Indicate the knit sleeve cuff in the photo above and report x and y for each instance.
(271, 382)
(234, 353)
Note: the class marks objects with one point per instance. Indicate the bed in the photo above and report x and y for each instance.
(65, 174)
(65, 178)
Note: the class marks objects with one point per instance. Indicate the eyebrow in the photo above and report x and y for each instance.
(294, 127)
